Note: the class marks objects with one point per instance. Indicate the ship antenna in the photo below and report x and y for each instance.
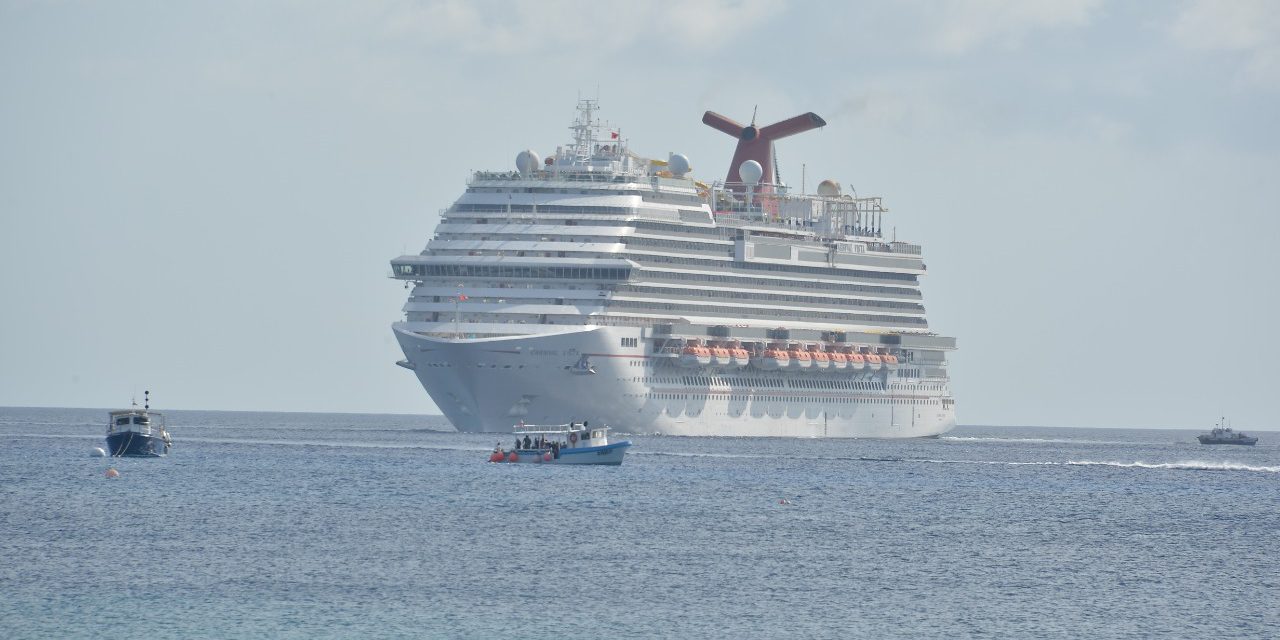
(754, 108)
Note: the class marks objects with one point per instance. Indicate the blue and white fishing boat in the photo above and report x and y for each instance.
(138, 433)
(571, 443)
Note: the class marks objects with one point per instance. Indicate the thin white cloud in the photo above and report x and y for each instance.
(1249, 27)
(967, 25)
(550, 25)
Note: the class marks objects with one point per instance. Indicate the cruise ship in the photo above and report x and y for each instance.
(600, 285)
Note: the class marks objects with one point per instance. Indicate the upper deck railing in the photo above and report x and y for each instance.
(826, 217)
(563, 176)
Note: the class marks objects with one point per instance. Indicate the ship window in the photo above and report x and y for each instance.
(141, 420)
(122, 420)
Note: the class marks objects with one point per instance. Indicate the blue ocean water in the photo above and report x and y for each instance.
(290, 525)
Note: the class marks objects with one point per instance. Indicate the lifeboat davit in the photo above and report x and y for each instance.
(720, 356)
(821, 360)
(772, 360)
(800, 359)
(739, 357)
(857, 361)
(839, 361)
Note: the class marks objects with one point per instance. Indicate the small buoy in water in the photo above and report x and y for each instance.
(513, 457)
(99, 452)
(497, 456)
(784, 501)
(112, 473)
(546, 457)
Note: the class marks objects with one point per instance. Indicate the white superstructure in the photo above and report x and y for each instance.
(599, 285)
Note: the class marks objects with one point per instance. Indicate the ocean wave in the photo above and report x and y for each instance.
(337, 444)
(683, 454)
(30, 423)
(1187, 465)
(1039, 440)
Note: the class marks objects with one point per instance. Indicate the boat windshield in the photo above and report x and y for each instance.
(122, 421)
(141, 420)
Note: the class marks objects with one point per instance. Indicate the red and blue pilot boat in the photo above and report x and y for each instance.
(571, 443)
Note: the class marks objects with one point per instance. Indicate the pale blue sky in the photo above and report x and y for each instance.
(202, 199)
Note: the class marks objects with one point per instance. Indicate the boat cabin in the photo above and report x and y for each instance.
(564, 436)
(138, 421)
(571, 443)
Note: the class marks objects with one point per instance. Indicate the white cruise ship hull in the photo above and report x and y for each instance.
(488, 384)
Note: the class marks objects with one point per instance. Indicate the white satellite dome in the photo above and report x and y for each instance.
(678, 164)
(829, 188)
(750, 171)
(527, 162)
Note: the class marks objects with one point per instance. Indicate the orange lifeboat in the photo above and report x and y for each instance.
(839, 361)
(720, 356)
(739, 357)
(821, 359)
(695, 355)
(800, 359)
(772, 359)
(890, 361)
(873, 361)
(857, 361)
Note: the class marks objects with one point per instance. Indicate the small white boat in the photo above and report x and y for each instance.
(571, 443)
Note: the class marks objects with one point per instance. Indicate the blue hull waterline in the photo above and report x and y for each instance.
(135, 445)
(571, 443)
(609, 454)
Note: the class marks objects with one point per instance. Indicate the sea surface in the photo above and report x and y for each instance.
(294, 525)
